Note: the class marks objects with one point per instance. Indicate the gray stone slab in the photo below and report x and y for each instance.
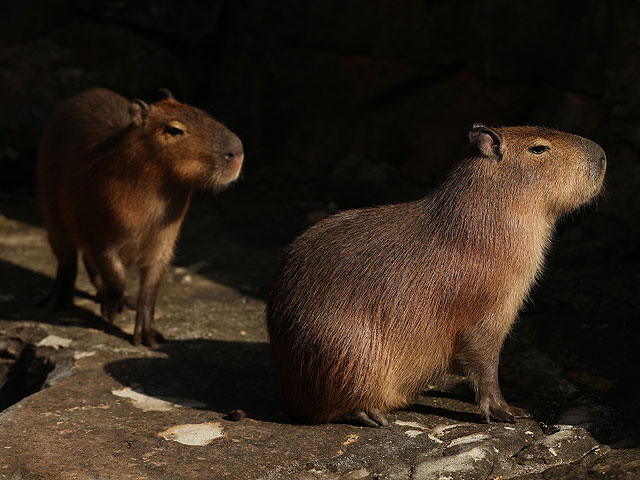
(103, 409)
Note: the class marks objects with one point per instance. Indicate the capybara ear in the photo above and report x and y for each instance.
(165, 94)
(139, 112)
(489, 141)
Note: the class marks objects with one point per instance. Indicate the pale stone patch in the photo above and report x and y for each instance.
(415, 433)
(478, 437)
(357, 474)
(350, 439)
(79, 355)
(54, 341)
(410, 424)
(437, 469)
(440, 429)
(197, 434)
(155, 404)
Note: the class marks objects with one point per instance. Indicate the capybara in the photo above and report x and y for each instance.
(369, 305)
(115, 177)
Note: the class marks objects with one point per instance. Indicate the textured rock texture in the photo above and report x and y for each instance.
(84, 403)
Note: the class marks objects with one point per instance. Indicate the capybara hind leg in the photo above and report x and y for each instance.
(370, 418)
(481, 364)
(93, 274)
(111, 295)
(128, 301)
(145, 330)
(61, 296)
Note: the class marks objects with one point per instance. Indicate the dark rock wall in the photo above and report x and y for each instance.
(330, 92)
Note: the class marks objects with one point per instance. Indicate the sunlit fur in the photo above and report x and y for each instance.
(115, 185)
(369, 305)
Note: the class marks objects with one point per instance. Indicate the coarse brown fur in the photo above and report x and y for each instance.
(369, 305)
(115, 178)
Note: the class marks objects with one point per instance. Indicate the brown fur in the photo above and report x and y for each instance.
(371, 304)
(115, 179)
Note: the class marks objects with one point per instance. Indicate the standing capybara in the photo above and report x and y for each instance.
(115, 177)
(371, 304)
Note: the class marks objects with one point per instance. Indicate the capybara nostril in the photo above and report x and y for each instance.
(233, 147)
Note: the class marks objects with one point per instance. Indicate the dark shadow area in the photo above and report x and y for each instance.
(23, 289)
(446, 413)
(26, 375)
(223, 375)
(233, 238)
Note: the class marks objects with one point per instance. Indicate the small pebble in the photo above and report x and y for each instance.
(237, 415)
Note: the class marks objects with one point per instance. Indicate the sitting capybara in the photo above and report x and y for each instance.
(369, 305)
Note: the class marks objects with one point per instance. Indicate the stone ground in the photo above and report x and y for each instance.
(82, 403)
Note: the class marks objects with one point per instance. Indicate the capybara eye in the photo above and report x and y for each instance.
(539, 149)
(171, 130)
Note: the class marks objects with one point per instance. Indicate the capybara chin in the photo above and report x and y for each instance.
(369, 305)
(115, 177)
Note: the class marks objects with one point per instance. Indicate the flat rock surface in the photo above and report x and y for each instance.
(81, 402)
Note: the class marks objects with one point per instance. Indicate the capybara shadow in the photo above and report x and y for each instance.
(223, 375)
(18, 284)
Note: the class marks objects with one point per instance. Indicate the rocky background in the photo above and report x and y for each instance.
(350, 103)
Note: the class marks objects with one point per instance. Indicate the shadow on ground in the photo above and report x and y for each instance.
(232, 238)
(223, 375)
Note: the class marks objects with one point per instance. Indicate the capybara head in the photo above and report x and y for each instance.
(194, 147)
(560, 170)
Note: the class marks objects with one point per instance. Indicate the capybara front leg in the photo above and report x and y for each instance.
(480, 361)
(145, 331)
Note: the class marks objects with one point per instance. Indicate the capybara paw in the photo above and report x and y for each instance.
(129, 301)
(150, 338)
(370, 418)
(111, 308)
(504, 413)
(519, 412)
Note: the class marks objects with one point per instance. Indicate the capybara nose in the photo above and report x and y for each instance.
(234, 149)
